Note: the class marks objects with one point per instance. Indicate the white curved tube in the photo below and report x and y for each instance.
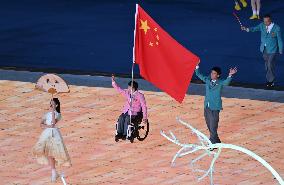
(219, 146)
(253, 155)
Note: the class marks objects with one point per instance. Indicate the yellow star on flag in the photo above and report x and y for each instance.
(144, 26)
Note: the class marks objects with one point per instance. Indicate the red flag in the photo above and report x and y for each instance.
(161, 59)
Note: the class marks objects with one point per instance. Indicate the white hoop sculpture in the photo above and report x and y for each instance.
(205, 145)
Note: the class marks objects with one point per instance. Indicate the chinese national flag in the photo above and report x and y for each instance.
(161, 59)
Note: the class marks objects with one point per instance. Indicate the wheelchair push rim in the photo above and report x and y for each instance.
(143, 132)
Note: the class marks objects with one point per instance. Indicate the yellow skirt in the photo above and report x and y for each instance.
(50, 144)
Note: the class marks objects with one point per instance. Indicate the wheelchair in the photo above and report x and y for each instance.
(135, 130)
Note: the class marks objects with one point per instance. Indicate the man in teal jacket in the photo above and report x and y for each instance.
(213, 101)
(271, 44)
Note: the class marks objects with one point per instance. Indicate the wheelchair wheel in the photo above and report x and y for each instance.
(142, 131)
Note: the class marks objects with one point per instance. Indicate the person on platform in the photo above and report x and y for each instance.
(271, 44)
(50, 148)
(213, 101)
(138, 105)
(237, 4)
(255, 5)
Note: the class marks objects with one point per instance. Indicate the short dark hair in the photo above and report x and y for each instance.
(217, 69)
(267, 16)
(135, 85)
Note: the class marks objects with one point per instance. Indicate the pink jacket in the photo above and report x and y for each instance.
(139, 101)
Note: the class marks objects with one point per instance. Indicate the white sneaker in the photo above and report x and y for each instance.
(54, 175)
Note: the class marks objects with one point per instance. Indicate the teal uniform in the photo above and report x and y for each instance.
(213, 103)
(271, 43)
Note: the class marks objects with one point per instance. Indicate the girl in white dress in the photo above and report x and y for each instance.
(50, 148)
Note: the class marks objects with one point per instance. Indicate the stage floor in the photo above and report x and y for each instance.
(88, 126)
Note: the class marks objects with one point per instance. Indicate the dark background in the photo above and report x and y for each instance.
(96, 37)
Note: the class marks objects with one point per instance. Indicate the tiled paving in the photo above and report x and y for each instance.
(89, 114)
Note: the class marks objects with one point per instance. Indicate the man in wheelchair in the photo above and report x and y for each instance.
(138, 105)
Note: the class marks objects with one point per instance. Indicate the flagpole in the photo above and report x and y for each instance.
(133, 50)
(133, 62)
(136, 13)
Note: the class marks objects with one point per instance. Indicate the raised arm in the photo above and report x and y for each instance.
(227, 81)
(117, 88)
(229, 78)
(252, 29)
(54, 116)
(199, 75)
(54, 121)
